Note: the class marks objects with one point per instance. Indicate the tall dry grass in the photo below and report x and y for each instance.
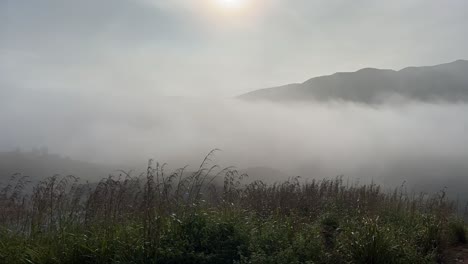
(148, 208)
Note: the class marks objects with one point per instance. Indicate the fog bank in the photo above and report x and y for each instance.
(421, 143)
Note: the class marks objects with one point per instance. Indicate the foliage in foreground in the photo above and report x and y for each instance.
(179, 218)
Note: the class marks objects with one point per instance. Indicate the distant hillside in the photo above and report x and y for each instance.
(445, 82)
(39, 165)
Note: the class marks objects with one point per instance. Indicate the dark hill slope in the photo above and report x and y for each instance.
(445, 82)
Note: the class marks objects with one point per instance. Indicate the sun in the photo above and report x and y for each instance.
(231, 4)
(231, 13)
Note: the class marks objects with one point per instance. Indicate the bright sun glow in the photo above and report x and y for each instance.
(231, 4)
(231, 12)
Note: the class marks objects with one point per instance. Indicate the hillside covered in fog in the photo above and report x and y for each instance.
(39, 164)
(445, 82)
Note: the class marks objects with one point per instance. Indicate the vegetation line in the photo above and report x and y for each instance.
(210, 216)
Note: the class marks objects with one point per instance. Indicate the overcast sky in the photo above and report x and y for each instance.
(89, 79)
(195, 48)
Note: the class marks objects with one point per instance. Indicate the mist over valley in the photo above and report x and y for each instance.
(419, 142)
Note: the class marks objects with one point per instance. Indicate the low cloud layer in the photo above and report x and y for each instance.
(421, 143)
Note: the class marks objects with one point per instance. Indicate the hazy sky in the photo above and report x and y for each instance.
(88, 79)
(198, 48)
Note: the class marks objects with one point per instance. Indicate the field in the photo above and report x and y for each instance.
(210, 216)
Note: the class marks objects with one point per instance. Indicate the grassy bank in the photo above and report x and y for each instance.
(191, 218)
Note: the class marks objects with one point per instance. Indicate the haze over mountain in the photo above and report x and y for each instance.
(445, 82)
(39, 164)
(100, 82)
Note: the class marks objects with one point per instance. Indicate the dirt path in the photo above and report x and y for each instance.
(458, 255)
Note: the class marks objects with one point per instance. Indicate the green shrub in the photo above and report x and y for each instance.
(203, 239)
(329, 226)
(369, 240)
(457, 231)
(429, 234)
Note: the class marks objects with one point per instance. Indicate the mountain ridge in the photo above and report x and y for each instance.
(442, 82)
